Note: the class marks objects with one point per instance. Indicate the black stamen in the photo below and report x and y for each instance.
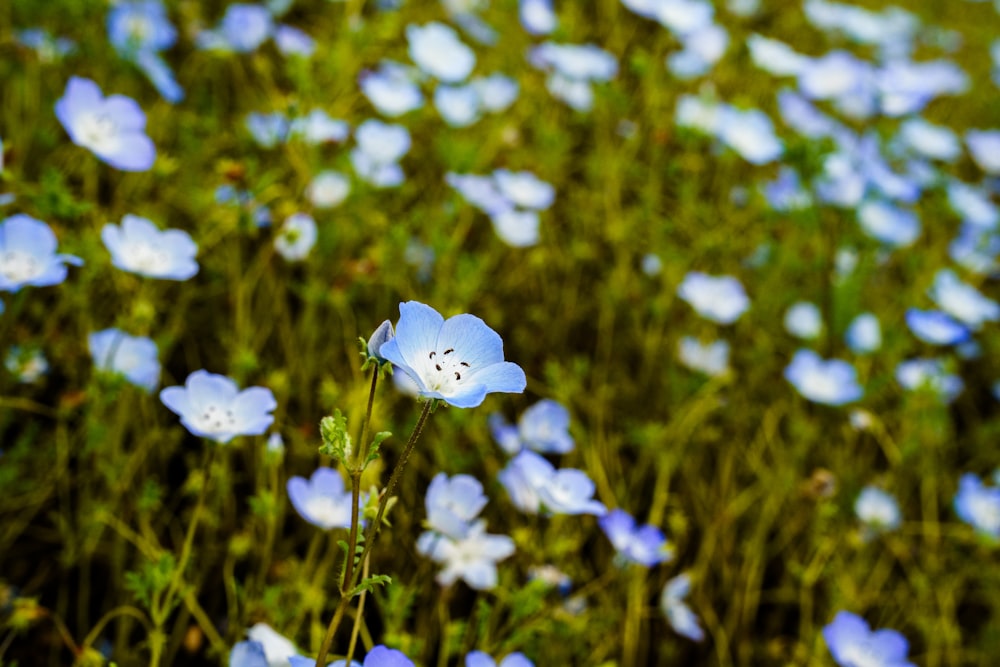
(437, 366)
(431, 355)
(465, 364)
(449, 350)
(458, 376)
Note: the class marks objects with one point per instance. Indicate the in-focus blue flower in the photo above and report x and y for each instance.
(392, 89)
(712, 359)
(536, 486)
(544, 427)
(380, 147)
(458, 360)
(877, 509)
(480, 659)
(645, 545)
(832, 382)
(853, 644)
(28, 254)
(26, 364)
(296, 237)
(112, 128)
(472, 558)
(678, 614)
(382, 335)
(452, 503)
(719, 299)
(936, 328)
(321, 500)
(135, 357)
(437, 50)
(929, 374)
(138, 246)
(978, 505)
(803, 320)
(864, 335)
(212, 406)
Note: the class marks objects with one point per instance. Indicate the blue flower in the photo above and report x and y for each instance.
(249, 654)
(832, 382)
(929, 374)
(678, 614)
(536, 486)
(112, 128)
(712, 359)
(135, 357)
(452, 504)
(391, 88)
(480, 659)
(936, 328)
(212, 406)
(382, 335)
(140, 26)
(472, 557)
(321, 500)
(138, 246)
(645, 545)
(437, 50)
(750, 133)
(458, 105)
(245, 27)
(894, 226)
(544, 427)
(978, 505)
(277, 648)
(296, 237)
(963, 301)
(160, 75)
(294, 42)
(458, 360)
(984, 146)
(47, 47)
(27, 365)
(317, 127)
(267, 129)
(381, 656)
(537, 16)
(803, 320)
(853, 644)
(864, 335)
(496, 92)
(28, 254)
(380, 147)
(328, 189)
(877, 509)
(719, 299)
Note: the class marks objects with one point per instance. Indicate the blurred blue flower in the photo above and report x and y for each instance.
(277, 648)
(702, 50)
(47, 47)
(906, 87)
(926, 139)
(975, 249)
(679, 615)
(458, 105)
(296, 237)
(877, 509)
(537, 16)
(318, 127)
(978, 505)
(803, 320)
(381, 656)
(524, 189)
(294, 42)
(28, 254)
(802, 116)
(645, 545)
(786, 192)
(864, 335)
(853, 644)
(750, 133)
(929, 374)
(496, 92)
(267, 129)
(212, 406)
(552, 577)
(138, 246)
(894, 226)
(480, 191)
(437, 50)
(719, 299)
(774, 56)
(112, 128)
(245, 26)
(518, 229)
(712, 359)
(249, 654)
(140, 25)
(936, 328)
(328, 189)
(380, 147)
(28, 365)
(963, 301)
(135, 357)
(832, 382)
(472, 557)
(321, 500)
(480, 659)
(458, 360)
(973, 204)
(543, 427)
(984, 146)
(452, 503)
(572, 68)
(536, 486)
(392, 89)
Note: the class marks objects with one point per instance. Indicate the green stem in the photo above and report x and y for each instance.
(359, 465)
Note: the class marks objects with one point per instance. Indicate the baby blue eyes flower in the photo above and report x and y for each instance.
(877, 509)
(112, 128)
(751, 134)
(973, 204)
(317, 127)
(524, 189)
(47, 47)
(296, 237)
(321, 500)
(27, 365)
(245, 27)
(381, 656)
(293, 42)
(382, 335)
(803, 320)
(931, 375)
(936, 328)
(458, 105)
(712, 359)
(277, 648)
(832, 382)
(437, 50)
(963, 301)
(536, 486)
(140, 26)
(894, 226)
(267, 129)
(458, 360)
(679, 615)
(719, 299)
(212, 406)
(978, 505)
(249, 654)
(480, 659)
(852, 643)
(452, 503)
(380, 147)
(472, 557)
(645, 545)
(864, 335)
(537, 16)
(28, 255)
(328, 189)
(496, 92)
(984, 146)
(135, 357)
(544, 427)
(138, 246)
(392, 89)
(572, 68)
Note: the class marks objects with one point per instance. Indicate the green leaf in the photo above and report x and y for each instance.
(369, 583)
(376, 444)
(336, 441)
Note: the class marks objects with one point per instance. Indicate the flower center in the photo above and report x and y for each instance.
(215, 419)
(19, 267)
(97, 130)
(324, 510)
(145, 258)
(139, 29)
(862, 654)
(446, 371)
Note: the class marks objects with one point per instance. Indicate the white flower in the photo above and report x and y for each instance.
(328, 189)
(140, 247)
(296, 238)
(472, 558)
(720, 299)
(438, 51)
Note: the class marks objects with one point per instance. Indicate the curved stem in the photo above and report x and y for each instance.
(123, 610)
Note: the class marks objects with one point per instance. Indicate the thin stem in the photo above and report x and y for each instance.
(124, 610)
(363, 441)
(358, 617)
(175, 580)
(359, 464)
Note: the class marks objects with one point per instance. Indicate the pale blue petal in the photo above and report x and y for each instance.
(473, 341)
(504, 377)
(479, 659)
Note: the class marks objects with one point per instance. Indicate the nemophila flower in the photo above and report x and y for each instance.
(524, 189)
(832, 382)
(893, 226)
(160, 75)
(683, 17)
(935, 327)
(803, 320)
(317, 127)
(267, 129)
(321, 500)
(906, 87)
(458, 105)
(702, 50)
(842, 181)
(852, 643)
(537, 16)
(249, 654)
(774, 56)
(452, 503)
(328, 189)
(719, 299)
(543, 427)
(712, 359)
(645, 545)
(138, 246)
(480, 191)
(381, 656)
(535, 485)
(572, 68)
(437, 50)
(275, 445)
(141, 25)
(296, 237)
(973, 204)
(245, 27)
(28, 365)
(472, 558)
(552, 577)
(877, 509)
(382, 335)
(786, 192)
(679, 615)
(496, 92)
(135, 357)
(975, 249)
(45, 46)
(930, 375)
(929, 140)
(962, 301)
(518, 229)
(864, 334)
(984, 146)
(802, 116)
(392, 89)
(458, 360)
(978, 505)
(293, 42)
(28, 255)
(277, 648)
(380, 147)
(113, 128)
(212, 406)
(651, 264)
(480, 659)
